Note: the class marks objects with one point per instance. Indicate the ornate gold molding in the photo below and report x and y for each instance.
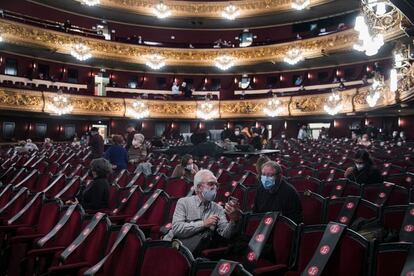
(208, 9)
(353, 101)
(61, 42)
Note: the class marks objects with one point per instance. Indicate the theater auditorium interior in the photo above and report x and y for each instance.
(189, 137)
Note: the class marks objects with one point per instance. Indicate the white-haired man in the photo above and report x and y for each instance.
(198, 214)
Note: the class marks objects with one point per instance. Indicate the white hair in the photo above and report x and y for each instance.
(199, 177)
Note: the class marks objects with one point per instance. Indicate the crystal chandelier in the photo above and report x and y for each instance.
(230, 12)
(375, 91)
(1, 38)
(60, 104)
(90, 2)
(273, 107)
(139, 109)
(300, 4)
(155, 61)
(378, 16)
(161, 10)
(293, 56)
(334, 104)
(206, 110)
(224, 62)
(80, 51)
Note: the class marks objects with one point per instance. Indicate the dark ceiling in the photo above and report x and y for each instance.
(331, 9)
(335, 59)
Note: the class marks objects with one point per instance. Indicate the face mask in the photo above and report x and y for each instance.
(364, 139)
(402, 135)
(399, 144)
(209, 195)
(283, 136)
(394, 134)
(359, 166)
(267, 181)
(237, 132)
(189, 167)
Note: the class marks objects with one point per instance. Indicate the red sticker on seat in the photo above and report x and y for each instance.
(224, 268)
(313, 270)
(325, 249)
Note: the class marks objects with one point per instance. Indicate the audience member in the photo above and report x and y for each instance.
(47, 144)
(364, 141)
(130, 136)
(238, 137)
(259, 163)
(303, 133)
(175, 89)
(96, 143)
(364, 171)
(276, 195)
(323, 134)
(186, 168)
(256, 141)
(186, 90)
(76, 142)
(117, 154)
(138, 151)
(198, 218)
(371, 130)
(30, 146)
(96, 195)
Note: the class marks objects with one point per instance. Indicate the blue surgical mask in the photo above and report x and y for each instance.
(209, 195)
(267, 181)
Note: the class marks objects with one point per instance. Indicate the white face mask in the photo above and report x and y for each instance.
(359, 166)
(189, 167)
(283, 136)
(237, 132)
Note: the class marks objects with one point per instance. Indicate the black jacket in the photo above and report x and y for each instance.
(282, 198)
(368, 175)
(96, 195)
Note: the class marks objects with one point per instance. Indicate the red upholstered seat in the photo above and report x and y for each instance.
(138, 179)
(313, 206)
(301, 171)
(205, 268)
(305, 183)
(342, 186)
(131, 200)
(42, 182)
(392, 217)
(17, 200)
(177, 187)
(57, 184)
(398, 196)
(176, 260)
(402, 179)
(70, 190)
(122, 178)
(389, 258)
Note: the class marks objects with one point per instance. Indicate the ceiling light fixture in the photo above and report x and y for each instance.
(231, 12)
(300, 4)
(60, 104)
(80, 51)
(139, 110)
(161, 10)
(334, 104)
(90, 2)
(377, 88)
(206, 110)
(224, 62)
(293, 56)
(273, 107)
(155, 61)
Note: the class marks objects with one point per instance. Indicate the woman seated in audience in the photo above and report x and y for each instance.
(117, 154)
(364, 141)
(138, 151)
(30, 146)
(96, 195)
(364, 171)
(47, 144)
(186, 168)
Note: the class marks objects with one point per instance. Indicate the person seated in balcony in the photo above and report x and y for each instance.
(117, 154)
(323, 135)
(96, 195)
(364, 170)
(276, 195)
(138, 151)
(198, 221)
(364, 141)
(186, 168)
(175, 89)
(303, 133)
(186, 90)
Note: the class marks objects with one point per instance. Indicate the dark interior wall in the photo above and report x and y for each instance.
(25, 126)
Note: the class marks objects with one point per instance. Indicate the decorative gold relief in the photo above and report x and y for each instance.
(62, 42)
(354, 100)
(207, 9)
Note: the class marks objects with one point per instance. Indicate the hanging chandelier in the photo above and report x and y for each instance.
(230, 12)
(300, 4)
(60, 104)
(376, 89)
(161, 10)
(139, 109)
(293, 56)
(1, 38)
(273, 107)
(376, 19)
(90, 2)
(334, 104)
(80, 51)
(206, 110)
(155, 61)
(224, 62)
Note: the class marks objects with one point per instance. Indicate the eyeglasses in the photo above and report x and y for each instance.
(210, 183)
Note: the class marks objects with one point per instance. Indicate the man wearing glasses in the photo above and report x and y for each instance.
(275, 195)
(197, 218)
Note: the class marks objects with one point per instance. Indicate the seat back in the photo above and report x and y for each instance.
(206, 268)
(55, 186)
(305, 183)
(313, 206)
(177, 260)
(156, 213)
(392, 217)
(69, 191)
(283, 239)
(389, 258)
(42, 182)
(177, 187)
(130, 202)
(398, 195)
